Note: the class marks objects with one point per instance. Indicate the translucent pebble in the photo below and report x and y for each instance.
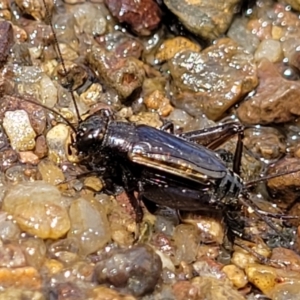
(48, 91)
(57, 138)
(186, 239)
(89, 225)
(35, 251)
(9, 230)
(38, 210)
(90, 19)
(18, 128)
(270, 49)
(50, 172)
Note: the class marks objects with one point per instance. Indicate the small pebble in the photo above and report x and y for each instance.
(235, 275)
(19, 130)
(38, 210)
(27, 278)
(89, 225)
(135, 270)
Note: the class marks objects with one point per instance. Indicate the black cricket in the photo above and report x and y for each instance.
(168, 169)
(178, 171)
(181, 171)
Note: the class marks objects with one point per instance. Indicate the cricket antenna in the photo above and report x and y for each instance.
(48, 17)
(255, 181)
(53, 111)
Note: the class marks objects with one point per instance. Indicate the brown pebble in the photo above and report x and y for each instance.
(143, 16)
(6, 41)
(27, 278)
(28, 157)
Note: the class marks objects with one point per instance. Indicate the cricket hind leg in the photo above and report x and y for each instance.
(236, 236)
(214, 137)
(245, 200)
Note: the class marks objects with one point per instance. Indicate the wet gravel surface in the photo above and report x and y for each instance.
(64, 233)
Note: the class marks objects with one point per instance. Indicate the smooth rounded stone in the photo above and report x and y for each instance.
(186, 235)
(57, 139)
(91, 18)
(89, 225)
(208, 19)
(37, 208)
(122, 74)
(9, 230)
(105, 293)
(135, 271)
(284, 189)
(266, 142)
(224, 69)
(241, 35)
(19, 130)
(170, 47)
(27, 278)
(142, 16)
(50, 172)
(266, 278)
(20, 294)
(35, 251)
(12, 256)
(235, 275)
(48, 91)
(270, 49)
(276, 100)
